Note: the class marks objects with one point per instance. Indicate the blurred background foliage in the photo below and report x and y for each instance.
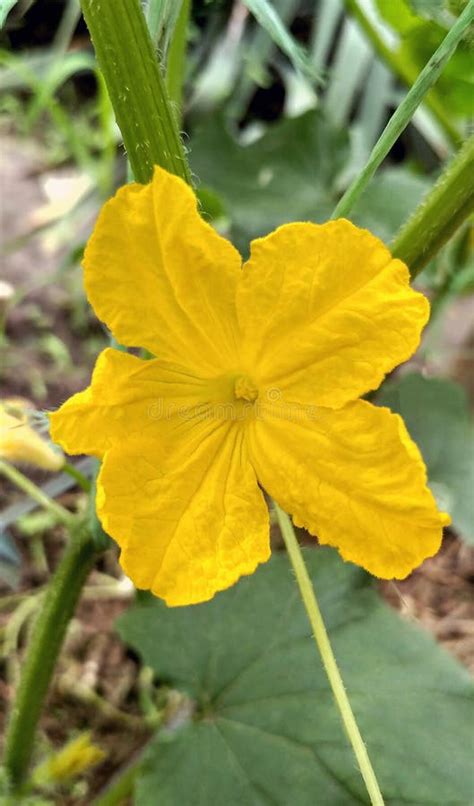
(282, 104)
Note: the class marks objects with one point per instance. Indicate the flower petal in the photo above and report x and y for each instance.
(355, 479)
(190, 528)
(127, 397)
(161, 278)
(326, 312)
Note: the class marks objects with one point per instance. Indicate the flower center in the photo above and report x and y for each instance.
(245, 389)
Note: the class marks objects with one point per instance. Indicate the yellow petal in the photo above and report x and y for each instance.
(161, 278)
(354, 478)
(20, 443)
(127, 397)
(189, 529)
(326, 312)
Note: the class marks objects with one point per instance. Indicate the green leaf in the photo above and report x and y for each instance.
(390, 199)
(398, 14)
(265, 729)
(436, 413)
(288, 175)
(455, 87)
(422, 25)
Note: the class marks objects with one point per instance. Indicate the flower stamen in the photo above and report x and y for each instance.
(245, 389)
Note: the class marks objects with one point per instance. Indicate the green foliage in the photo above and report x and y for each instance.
(436, 413)
(391, 197)
(289, 174)
(265, 729)
(456, 86)
(271, 182)
(422, 26)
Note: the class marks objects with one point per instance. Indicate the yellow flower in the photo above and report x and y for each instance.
(256, 381)
(19, 442)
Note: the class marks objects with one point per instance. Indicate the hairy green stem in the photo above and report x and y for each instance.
(29, 487)
(136, 87)
(327, 656)
(401, 69)
(440, 213)
(47, 637)
(402, 116)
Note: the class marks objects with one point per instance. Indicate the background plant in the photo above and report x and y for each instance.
(257, 168)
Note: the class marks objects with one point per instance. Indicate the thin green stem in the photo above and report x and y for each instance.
(441, 212)
(83, 482)
(402, 116)
(136, 87)
(47, 637)
(401, 69)
(29, 487)
(329, 662)
(176, 62)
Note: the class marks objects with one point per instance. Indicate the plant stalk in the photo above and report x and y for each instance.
(136, 87)
(29, 487)
(404, 113)
(441, 212)
(176, 62)
(47, 637)
(327, 656)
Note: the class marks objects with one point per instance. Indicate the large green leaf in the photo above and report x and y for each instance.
(265, 729)
(389, 200)
(436, 413)
(288, 175)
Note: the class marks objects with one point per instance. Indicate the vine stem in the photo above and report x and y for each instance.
(29, 487)
(136, 86)
(327, 655)
(47, 637)
(404, 113)
(440, 213)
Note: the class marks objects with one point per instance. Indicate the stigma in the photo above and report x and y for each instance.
(245, 389)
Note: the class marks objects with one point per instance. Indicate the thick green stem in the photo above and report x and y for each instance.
(136, 87)
(402, 116)
(401, 69)
(327, 656)
(440, 213)
(47, 638)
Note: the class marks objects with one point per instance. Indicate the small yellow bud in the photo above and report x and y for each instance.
(73, 759)
(19, 442)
